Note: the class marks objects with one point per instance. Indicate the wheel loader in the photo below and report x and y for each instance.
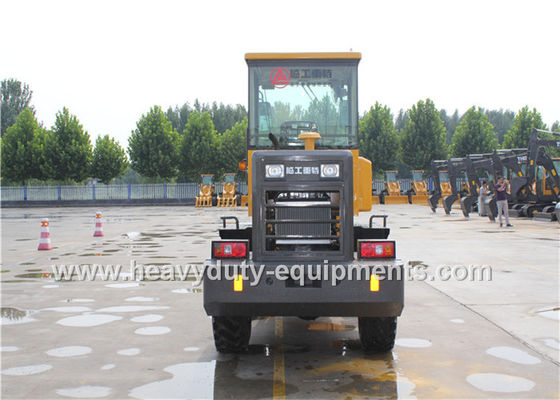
(306, 183)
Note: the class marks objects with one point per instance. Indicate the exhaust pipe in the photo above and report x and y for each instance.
(448, 202)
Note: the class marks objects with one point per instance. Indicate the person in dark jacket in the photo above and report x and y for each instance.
(501, 200)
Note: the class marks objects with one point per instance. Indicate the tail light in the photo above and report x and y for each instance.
(237, 249)
(376, 249)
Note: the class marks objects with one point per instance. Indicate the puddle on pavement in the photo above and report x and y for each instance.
(12, 316)
(140, 298)
(23, 240)
(88, 320)
(33, 275)
(69, 309)
(552, 312)
(147, 318)
(121, 309)
(414, 263)
(187, 290)
(4, 270)
(513, 354)
(8, 349)
(502, 383)
(457, 321)
(190, 380)
(551, 342)
(108, 366)
(85, 392)
(191, 348)
(34, 270)
(152, 330)
(26, 370)
(69, 351)
(323, 326)
(122, 285)
(70, 300)
(129, 352)
(50, 286)
(413, 342)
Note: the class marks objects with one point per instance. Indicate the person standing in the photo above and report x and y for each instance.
(483, 195)
(501, 200)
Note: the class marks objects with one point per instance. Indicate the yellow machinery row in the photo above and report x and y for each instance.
(228, 197)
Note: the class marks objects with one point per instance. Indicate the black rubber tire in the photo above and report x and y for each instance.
(231, 334)
(377, 333)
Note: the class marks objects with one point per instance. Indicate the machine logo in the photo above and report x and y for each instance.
(280, 77)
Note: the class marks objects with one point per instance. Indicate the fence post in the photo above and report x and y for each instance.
(93, 191)
(165, 190)
(59, 193)
(129, 191)
(24, 192)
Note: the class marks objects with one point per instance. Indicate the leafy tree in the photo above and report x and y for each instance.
(555, 126)
(15, 98)
(233, 147)
(179, 116)
(68, 149)
(324, 113)
(525, 121)
(474, 134)
(501, 121)
(22, 149)
(378, 139)
(199, 147)
(423, 138)
(153, 146)
(400, 121)
(450, 123)
(109, 160)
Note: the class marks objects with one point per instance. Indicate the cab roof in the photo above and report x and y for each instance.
(303, 56)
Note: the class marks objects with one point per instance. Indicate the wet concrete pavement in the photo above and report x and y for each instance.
(68, 339)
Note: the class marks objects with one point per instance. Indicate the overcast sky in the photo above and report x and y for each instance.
(110, 61)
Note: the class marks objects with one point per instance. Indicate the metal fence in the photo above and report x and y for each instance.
(139, 191)
(106, 192)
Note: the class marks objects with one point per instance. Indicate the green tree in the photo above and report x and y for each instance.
(199, 147)
(474, 134)
(450, 123)
(233, 147)
(67, 149)
(400, 121)
(378, 139)
(423, 137)
(523, 124)
(501, 121)
(109, 160)
(555, 126)
(15, 98)
(153, 146)
(22, 149)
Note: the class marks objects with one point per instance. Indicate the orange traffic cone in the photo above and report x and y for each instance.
(45, 241)
(98, 225)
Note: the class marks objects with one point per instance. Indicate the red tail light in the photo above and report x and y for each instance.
(236, 249)
(377, 249)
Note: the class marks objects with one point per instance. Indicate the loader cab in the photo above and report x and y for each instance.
(302, 95)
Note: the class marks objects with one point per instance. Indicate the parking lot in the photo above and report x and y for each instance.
(457, 338)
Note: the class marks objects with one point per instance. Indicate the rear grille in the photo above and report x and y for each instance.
(308, 221)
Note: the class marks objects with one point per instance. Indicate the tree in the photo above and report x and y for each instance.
(153, 146)
(523, 124)
(233, 147)
(68, 149)
(423, 138)
(501, 121)
(378, 139)
(474, 134)
(15, 98)
(400, 121)
(179, 116)
(22, 149)
(109, 160)
(450, 123)
(199, 147)
(555, 126)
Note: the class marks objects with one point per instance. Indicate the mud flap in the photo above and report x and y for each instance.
(448, 202)
(467, 205)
